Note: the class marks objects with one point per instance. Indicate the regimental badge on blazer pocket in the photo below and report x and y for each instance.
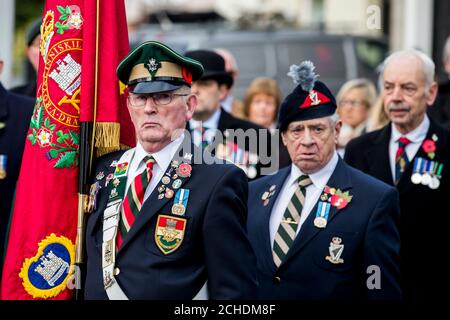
(337, 251)
(170, 231)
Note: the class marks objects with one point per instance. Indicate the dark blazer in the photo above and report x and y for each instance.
(424, 211)
(15, 116)
(215, 245)
(440, 110)
(367, 227)
(264, 142)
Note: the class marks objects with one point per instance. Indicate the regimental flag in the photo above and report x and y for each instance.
(78, 58)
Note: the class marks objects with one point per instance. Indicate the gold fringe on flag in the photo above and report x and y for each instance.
(107, 138)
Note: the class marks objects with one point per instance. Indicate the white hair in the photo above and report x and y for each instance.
(428, 66)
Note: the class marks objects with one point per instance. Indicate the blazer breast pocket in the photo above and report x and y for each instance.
(336, 250)
(169, 235)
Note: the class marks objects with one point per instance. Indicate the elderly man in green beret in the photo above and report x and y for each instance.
(164, 224)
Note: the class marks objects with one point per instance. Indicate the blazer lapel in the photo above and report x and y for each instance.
(263, 224)
(377, 156)
(405, 180)
(153, 204)
(339, 180)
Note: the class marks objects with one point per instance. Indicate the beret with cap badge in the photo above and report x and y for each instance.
(311, 99)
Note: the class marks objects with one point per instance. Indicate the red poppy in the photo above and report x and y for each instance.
(338, 202)
(429, 146)
(185, 169)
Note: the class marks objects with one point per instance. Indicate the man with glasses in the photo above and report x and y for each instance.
(162, 219)
(320, 229)
(412, 153)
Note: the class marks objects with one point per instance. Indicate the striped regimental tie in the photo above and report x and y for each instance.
(289, 223)
(401, 159)
(134, 199)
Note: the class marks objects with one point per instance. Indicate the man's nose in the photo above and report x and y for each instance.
(150, 105)
(397, 94)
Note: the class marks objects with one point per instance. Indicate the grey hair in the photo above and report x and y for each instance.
(428, 64)
(334, 118)
(446, 51)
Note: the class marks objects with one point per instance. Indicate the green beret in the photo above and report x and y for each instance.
(154, 67)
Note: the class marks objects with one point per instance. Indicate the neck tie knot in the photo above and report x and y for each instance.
(403, 141)
(149, 162)
(304, 181)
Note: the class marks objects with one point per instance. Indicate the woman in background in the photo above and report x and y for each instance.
(354, 101)
(261, 102)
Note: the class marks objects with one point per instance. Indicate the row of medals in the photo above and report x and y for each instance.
(165, 191)
(427, 179)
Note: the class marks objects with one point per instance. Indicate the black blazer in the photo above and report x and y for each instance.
(214, 247)
(424, 211)
(367, 227)
(15, 114)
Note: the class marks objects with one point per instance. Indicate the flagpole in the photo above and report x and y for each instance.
(87, 136)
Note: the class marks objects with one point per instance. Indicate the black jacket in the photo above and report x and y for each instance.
(424, 211)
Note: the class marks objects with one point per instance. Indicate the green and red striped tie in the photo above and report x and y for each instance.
(285, 236)
(134, 199)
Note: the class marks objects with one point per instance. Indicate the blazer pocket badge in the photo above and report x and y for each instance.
(335, 249)
(169, 233)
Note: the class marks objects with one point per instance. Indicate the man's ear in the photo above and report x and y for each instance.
(223, 89)
(1, 65)
(283, 138)
(432, 93)
(337, 130)
(191, 104)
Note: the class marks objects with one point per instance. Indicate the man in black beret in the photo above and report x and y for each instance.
(164, 224)
(241, 142)
(33, 37)
(321, 229)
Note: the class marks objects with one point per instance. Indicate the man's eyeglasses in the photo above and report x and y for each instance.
(159, 99)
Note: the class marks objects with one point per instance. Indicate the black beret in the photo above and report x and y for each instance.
(311, 99)
(34, 30)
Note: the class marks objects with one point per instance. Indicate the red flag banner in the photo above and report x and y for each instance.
(72, 87)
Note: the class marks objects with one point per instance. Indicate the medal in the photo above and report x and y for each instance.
(100, 175)
(251, 173)
(165, 180)
(180, 202)
(3, 158)
(178, 209)
(169, 193)
(416, 178)
(176, 184)
(320, 222)
(323, 209)
(434, 183)
(426, 179)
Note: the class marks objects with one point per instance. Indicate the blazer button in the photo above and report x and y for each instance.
(276, 280)
(116, 271)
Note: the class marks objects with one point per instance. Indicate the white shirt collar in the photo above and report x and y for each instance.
(417, 135)
(319, 178)
(211, 123)
(163, 157)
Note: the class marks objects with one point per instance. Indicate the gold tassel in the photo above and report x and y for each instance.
(107, 137)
